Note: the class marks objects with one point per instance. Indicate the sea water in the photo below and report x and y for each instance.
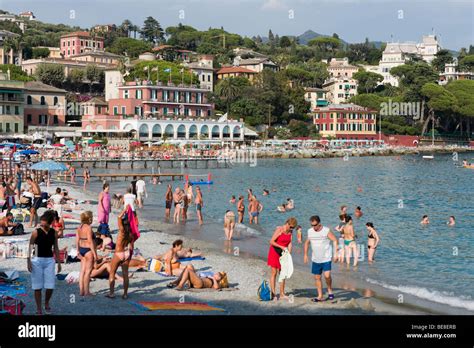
(433, 262)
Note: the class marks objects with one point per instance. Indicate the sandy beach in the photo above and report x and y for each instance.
(245, 275)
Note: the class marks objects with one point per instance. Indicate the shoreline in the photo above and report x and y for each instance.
(245, 272)
(360, 152)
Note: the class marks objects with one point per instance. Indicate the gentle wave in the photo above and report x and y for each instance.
(431, 295)
(246, 230)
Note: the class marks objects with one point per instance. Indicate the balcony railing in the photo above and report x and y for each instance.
(13, 100)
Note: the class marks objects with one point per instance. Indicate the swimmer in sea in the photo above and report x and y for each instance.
(232, 200)
(290, 204)
(452, 221)
(358, 212)
(265, 192)
(425, 220)
(281, 208)
(343, 210)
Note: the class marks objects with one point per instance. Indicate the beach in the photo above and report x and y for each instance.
(245, 275)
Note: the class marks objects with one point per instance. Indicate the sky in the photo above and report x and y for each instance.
(353, 20)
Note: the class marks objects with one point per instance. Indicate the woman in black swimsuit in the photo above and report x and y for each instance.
(43, 241)
(372, 241)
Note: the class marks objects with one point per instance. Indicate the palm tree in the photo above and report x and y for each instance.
(134, 29)
(229, 90)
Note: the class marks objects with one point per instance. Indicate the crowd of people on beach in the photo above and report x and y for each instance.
(101, 257)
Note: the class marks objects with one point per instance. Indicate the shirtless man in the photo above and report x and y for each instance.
(199, 203)
(168, 201)
(7, 226)
(350, 244)
(178, 204)
(255, 208)
(241, 209)
(35, 189)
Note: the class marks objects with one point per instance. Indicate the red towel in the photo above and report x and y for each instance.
(133, 224)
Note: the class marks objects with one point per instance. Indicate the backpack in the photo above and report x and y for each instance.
(264, 293)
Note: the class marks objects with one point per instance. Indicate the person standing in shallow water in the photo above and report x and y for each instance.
(168, 201)
(241, 209)
(280, 241)
(199, 203)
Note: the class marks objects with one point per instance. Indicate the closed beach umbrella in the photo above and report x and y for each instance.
(50, 166)
(94, 145)
(58, 145)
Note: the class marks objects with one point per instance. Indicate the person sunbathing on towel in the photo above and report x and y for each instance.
(195, 280)
(170, 259)
(101, 269)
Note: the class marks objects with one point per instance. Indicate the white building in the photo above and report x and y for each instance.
(340, 68)
(113, 79)
(256, 64)
(396, 54)
(204, 69)
(12, 18)
(339, 91)
(452, 74)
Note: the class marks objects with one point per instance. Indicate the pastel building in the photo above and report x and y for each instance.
(451, 73)
(162, 100)
(235, 71)
(340, 68)
(12, 98)
(79, 42)
(315, 96)
(346, 121)
(44, 105)
(204, 69)
(340, 90)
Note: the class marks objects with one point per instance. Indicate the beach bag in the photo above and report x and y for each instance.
(10, 305)
(156, 266)
(104, 229)
(264, 293)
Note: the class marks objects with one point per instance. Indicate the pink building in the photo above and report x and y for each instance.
(45, 105)
(147, 100)
(79, 42)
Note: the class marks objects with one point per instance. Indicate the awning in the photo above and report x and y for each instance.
(104, 131)
(66, 134)
(10, 91)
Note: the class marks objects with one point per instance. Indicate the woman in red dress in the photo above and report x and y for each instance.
(280, 241)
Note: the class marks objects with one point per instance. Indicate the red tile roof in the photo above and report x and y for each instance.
(235, 69)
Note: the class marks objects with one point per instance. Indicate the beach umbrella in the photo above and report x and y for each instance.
(94, 145)
(29, 152)
(50, 166)
(58, 145)
(136, 143)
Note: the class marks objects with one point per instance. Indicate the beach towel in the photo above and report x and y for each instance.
(69, 235)
(133, 224)
(163, 274)
(286, 263)
(195, 258)
(211, 289)
(175, 306)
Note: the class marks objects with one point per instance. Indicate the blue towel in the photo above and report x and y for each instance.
(196, 258)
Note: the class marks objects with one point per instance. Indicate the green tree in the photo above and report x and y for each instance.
(285, 42)
(125, 27)
(413, 76)
(439, 99)
(367, 81)
(228, 89)
(467, 63)
(16, 73)
(463, 91)
(40, 52)
(326, 44)
(93, 74)
(129, 47)
(76, 76)
(50, 74)
(152, 31)
(442, 57)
